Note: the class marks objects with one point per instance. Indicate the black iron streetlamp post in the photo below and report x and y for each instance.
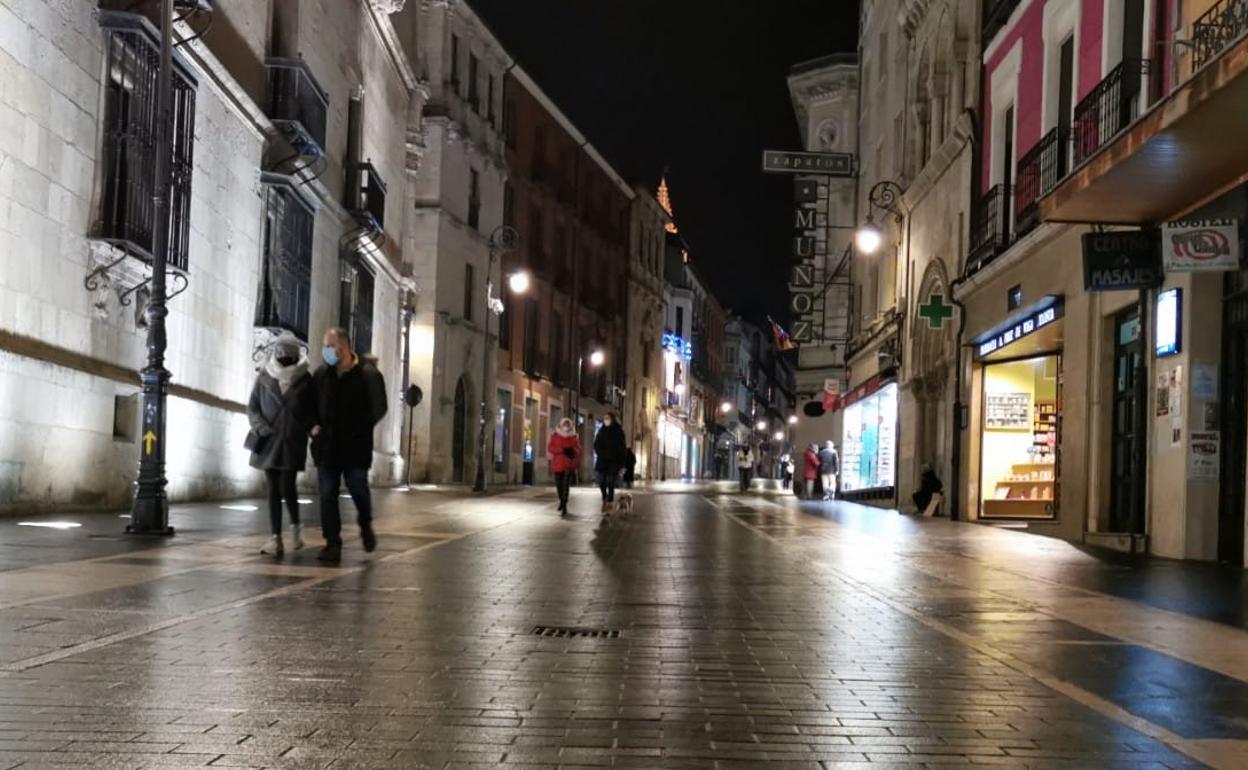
(150, 514)
(502, 240)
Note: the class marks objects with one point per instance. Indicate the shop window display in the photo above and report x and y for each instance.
(1019, 468)
(869, 442)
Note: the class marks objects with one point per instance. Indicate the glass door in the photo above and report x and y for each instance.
(1124, 475)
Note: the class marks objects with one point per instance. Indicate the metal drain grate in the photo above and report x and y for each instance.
(575, 632)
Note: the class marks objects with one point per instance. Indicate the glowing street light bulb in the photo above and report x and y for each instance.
(725, 407)
(792, 419)
(518, 282)
(762, 425)
(869, 238)
(779, 435)
(596, 358)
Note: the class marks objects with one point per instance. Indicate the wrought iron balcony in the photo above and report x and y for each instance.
(369, 205)
(1038, 174)
(996, 15)
(990, 227)
(298, 105)
(1110, 107)
(1216, 29)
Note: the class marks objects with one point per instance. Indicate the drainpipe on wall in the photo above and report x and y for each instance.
(955, 460)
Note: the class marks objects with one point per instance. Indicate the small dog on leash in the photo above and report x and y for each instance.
(624, 503)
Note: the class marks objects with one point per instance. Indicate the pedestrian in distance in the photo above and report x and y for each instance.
(630, 469)
(745, 466)
(351, 400)
(612, 450)
(281, 411)
(810, 471)
(829, 466)
(786, 470)
(564, 449)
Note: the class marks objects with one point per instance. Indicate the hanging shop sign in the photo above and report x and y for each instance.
(677, 346)
(831, 393)
(815, 163)
(935, 311)
(1125, 259)
(1029, 324)
(1204, 245)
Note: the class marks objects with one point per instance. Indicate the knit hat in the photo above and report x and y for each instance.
(286, 345)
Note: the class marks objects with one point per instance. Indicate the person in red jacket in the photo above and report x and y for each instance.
(810, 470)
(565, 457)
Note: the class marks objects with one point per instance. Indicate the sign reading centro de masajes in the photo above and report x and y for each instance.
(1121, 259)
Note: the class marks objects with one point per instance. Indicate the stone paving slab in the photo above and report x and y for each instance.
(732, 653)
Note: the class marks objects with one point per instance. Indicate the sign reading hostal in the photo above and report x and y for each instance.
(1125, 259)
(1201, 245)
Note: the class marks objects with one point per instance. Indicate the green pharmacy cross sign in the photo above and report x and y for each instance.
(936, 311)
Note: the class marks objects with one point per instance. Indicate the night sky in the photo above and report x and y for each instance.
(697, 86)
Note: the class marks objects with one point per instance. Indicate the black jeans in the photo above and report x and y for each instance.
(357, 486)
(282, 485)
(746, 473)
(606, 483)
(563, 482)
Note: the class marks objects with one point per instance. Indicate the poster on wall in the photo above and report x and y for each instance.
(1007, 411)
(869, 442)
(1203, 456)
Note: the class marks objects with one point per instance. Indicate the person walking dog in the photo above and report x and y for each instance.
(281, 411)
(351, 400)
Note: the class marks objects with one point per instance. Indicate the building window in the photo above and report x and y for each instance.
(556, 347)
(489, 98)
(470, 278)
(474, 88)
(647, 345)
(286, 272)
(530, 335)
(455, 62)
(355, 302)
(536, 238)
(680, 322)
(504, 322)
(509, 205)
(509, 122)
(474, 198)
(132, 61)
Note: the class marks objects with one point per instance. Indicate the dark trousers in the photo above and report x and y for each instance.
(606, 483)
(563, 482)
(282, 485)
(357, 486)
(745, 478)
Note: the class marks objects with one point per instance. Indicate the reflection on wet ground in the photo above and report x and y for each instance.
(751, 632)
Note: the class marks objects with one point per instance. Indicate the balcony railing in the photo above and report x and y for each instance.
(1038, 174)
(298, 105)
(371, 203)
(1216, 29)
(1110, 107)
(996, 15)
(990, 226)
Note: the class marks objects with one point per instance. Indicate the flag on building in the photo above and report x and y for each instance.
(783, 342)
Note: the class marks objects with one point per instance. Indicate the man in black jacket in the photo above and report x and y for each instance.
(351, 400)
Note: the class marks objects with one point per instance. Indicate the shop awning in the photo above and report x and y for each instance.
(1186, 150)
(1034, 329)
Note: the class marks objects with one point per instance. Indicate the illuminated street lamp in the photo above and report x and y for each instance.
(597, 358)
(762, 425)
(869, 237)
(792, 419)
(518, 282)
(725, 407)
(779, 435)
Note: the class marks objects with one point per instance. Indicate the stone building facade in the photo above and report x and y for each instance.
(646, 313)
(572, 212)
(282, 222)
(457, 199)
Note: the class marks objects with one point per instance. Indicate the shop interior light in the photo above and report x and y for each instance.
(304, 501)
(239, 507)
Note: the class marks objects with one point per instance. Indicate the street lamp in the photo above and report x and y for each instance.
(518, 282)
(502, 240)
(762, 425)
(779, 435)
(150, 514)
(725, 407)
(792, 419)
(596, 358)
(884, 196)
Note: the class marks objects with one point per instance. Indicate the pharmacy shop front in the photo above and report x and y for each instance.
(1019, 407)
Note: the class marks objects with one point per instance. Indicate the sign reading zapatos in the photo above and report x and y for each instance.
(1122, 259)
(1201, 245)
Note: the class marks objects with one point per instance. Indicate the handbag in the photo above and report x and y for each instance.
(255, 442)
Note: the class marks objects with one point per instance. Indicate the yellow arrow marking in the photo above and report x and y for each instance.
(149, 439)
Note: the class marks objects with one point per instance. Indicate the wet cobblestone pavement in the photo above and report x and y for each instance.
(752, 632)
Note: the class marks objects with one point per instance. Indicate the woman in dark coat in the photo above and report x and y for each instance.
(612, 450)
(281, 410)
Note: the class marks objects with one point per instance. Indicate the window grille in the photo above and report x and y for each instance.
(286, 273)
(298, 105)
(132, 68)
(356, 302)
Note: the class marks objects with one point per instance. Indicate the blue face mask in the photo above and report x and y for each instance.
(329, 354)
